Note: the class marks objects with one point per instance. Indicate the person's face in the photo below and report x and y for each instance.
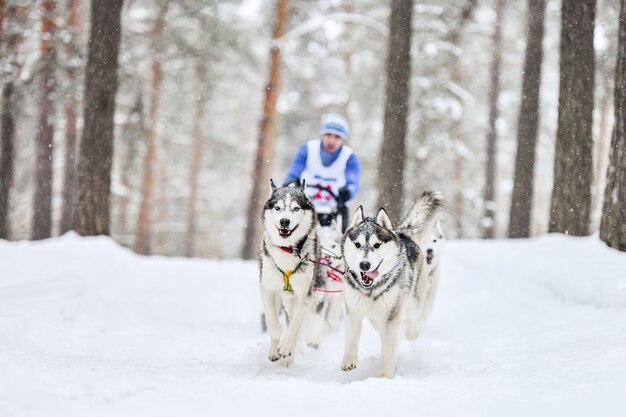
(331, 142)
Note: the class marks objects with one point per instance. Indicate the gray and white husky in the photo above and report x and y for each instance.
(287, 279)
(384, 267)
(432, 245)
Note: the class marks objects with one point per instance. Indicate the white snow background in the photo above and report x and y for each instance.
(530, 327)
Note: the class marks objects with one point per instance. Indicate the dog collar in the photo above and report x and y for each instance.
(294, 251)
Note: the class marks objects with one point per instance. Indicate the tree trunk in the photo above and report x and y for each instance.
(144, 223)
(458, 199)
(523, 178)
(161, 202)
(613, 222)
(128, 157)
(492, 134)
(7, 156)
(601, 159)
(196, 157)
(12, 38)
(571, 194)
(96, 150)
(69, 172)
(266, 140)
(42, 210)
(142, 237)
(392, 153)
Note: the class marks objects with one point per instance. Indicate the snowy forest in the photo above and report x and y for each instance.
(160, 122)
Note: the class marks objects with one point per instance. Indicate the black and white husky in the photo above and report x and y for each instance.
(287, 278)
(383, 269)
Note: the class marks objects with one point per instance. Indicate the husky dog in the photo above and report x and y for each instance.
(383, 268)
(432, 245)
(287, 279)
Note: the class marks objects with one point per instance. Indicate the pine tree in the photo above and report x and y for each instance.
(528, 123)
(96, 150)
(392, 153)
(266, 140)
(613, 221)
(42, 210)
(71, 118)
(492, 134)
(571, 193)
(144, 218)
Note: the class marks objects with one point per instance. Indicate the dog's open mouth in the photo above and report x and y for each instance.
(429, 259)
(367, 278)
(286, 232)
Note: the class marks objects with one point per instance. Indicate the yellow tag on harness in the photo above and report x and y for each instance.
(286, 276)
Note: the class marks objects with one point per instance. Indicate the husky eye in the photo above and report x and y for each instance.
(296, 209)
(434, 240)
(376, 245)
(357, 244)
(276, 208)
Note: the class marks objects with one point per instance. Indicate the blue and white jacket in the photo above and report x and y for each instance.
(334, 170)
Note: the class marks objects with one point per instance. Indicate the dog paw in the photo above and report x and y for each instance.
(384, 374)
(274, 355)
(285, 352)
(288, 361)
(348, 364)
(412, 334)
(313, 345)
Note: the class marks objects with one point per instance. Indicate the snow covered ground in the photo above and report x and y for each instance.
(520, 328)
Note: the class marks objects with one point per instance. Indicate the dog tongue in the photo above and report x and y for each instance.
(371, 274)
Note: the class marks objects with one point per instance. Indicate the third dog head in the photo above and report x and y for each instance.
(433, 245)
(370, 246)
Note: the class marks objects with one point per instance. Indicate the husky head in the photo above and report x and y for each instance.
(288, 214)
(433, 245)
(330, 238)
(370, 246)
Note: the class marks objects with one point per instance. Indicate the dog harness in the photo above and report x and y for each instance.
(292, 251)
(288, 274)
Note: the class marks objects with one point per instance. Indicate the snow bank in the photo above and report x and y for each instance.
(520, 327)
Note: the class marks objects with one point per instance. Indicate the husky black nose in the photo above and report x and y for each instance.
(284, 223)
(429, 251)
(365, 266)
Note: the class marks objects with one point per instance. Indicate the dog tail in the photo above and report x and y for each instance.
(422, 215)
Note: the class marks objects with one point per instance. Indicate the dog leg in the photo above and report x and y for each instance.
(354, 324)
(271, 320)
(429, 299)
(288, 342)
(314, 322)
(411, 328)
(389, 342)
(333, 313)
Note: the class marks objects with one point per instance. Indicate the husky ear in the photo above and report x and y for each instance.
(303, 185)
(357, 218)
(274, 188)
(439, 229)
(382, 219)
